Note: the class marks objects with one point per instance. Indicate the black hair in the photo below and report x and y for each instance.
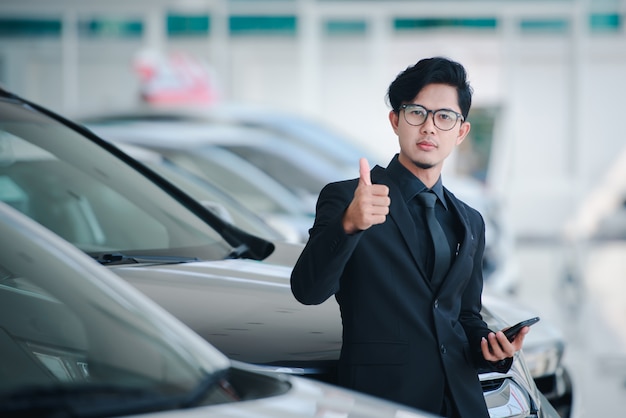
(440, 70)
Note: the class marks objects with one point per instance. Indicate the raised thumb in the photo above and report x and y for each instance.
(364, 172)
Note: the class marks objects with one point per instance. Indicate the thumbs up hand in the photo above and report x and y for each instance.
(370, 204)
(364, 172)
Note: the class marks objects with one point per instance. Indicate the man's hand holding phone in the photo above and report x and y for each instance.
(504, 344)
(511, 333)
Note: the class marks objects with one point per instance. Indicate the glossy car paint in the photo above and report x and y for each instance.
(26, 242)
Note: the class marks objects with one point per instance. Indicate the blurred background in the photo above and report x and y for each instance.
(547, 141)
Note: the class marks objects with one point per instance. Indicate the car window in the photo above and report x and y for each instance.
(195, 148)
(73, 335)
(49, 323)
(251, 187)
(316, 137)
(209, 194)
(284, 169)
(88, 196)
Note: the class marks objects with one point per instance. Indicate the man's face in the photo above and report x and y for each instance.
(427, 146)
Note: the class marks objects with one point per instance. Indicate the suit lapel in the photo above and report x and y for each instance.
(399, 213)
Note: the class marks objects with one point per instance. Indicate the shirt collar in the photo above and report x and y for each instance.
(410, 185)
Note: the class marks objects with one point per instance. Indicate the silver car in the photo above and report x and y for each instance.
(78, 341)
(205, 271)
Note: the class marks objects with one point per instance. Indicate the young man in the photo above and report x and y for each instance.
(410, 334)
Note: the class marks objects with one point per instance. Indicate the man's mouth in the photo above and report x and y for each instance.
(426, 145)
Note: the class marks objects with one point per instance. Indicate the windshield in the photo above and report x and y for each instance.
(76, 340)
(213, 198)
(90, 197)
(284, 166)
(250, 186)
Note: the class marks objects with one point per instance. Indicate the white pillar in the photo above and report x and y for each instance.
(309, 35)
(219, 44)
(69, 61)
(575, 160)
(500, 174)
(155, 37)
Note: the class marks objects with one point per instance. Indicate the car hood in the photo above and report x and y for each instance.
(511, 311)
(245, 308)
(306, 398)
(285, 253)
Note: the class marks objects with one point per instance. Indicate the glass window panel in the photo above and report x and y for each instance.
(184, 25)
(603, 22)
(265, 25)
(111, 28)
(345, 27)
(545, 25)
(24, 27)
(407, 24)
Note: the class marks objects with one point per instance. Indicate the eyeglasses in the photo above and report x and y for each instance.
(444, 119)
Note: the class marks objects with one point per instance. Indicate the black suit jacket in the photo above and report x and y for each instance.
(402, 340)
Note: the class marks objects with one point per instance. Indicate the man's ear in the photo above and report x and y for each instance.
(463, 131)
(393, 119)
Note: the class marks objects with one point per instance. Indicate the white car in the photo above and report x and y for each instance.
(78, 341)
(205, 271)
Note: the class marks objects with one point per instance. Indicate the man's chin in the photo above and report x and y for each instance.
(423, 165)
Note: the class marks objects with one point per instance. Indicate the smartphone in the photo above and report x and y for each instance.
(511, 332)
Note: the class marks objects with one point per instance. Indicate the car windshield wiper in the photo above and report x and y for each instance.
(83, 401)
(120, 258)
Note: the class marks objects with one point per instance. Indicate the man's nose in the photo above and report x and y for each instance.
(429, 123)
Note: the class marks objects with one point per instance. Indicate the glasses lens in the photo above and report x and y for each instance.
(415, 115)
(445, 119)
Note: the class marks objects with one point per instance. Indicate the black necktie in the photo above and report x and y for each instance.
(441, 255)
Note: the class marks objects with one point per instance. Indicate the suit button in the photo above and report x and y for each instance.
(436, 303)
(443, 349)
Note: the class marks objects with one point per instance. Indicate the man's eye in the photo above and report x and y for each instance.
(445, 116)
(419, 112)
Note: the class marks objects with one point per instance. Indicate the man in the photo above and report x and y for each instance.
(410, 335)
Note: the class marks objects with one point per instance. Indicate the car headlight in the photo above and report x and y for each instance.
(512, 394)
(543, 359)
(508, 400)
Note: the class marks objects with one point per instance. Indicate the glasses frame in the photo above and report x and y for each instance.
(433, 112)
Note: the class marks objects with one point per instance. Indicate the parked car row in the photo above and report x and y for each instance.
(222, 144)
(544, 349)
(212, 275)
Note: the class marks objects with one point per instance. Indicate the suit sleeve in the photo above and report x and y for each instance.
(317, 273)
